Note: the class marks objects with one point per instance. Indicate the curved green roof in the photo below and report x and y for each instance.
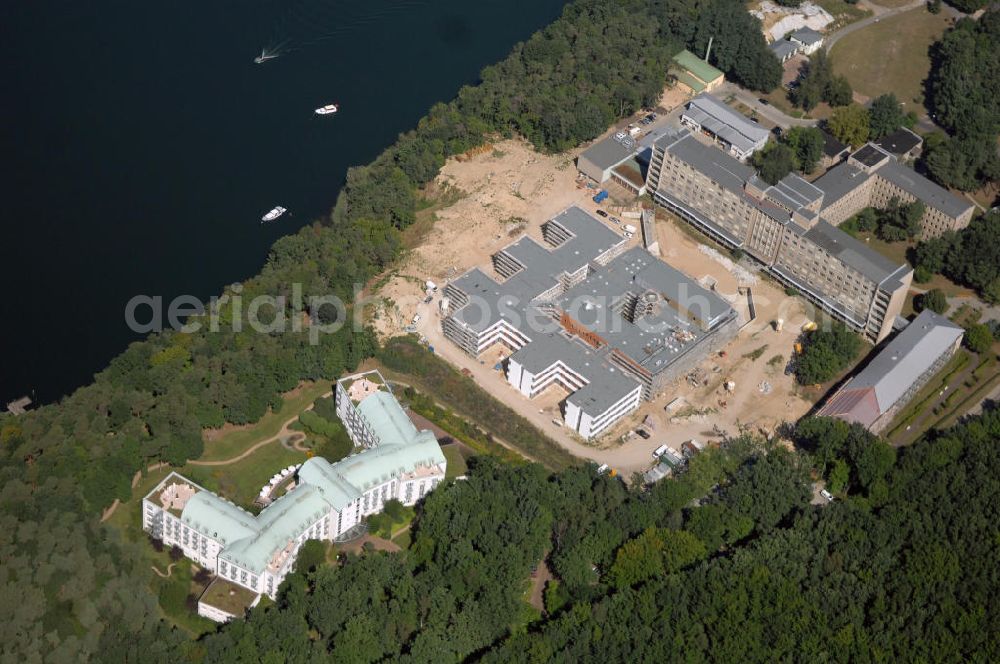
(280, 523)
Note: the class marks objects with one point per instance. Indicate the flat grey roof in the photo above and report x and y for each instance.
(656, 340)
(870, 154)
(541, 268)
(840, 181)
(606, 384)
(610, 152)
(856, 254)
(725, 123)
(831, 146)
(900, 141)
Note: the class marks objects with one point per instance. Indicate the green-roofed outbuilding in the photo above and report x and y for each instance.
(695, 73)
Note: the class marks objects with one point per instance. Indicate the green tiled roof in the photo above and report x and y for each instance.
(695, 65)
(388, 420)
(690, 81)
(280, 523)
(218, 518)
(379, 464)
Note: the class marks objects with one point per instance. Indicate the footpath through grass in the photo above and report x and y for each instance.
(439, 380)
(226, 444)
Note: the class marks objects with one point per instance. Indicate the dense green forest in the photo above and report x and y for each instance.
(731, 561)
(75, 591)
(964, 94)
(970, 257)
(825, 353)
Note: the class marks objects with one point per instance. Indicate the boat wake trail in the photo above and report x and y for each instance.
(310, 22)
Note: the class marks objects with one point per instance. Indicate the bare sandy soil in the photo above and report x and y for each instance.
(510, 190)
(502, 194)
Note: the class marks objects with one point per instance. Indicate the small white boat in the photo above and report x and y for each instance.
(327, 110)
(264, 56)
(273, 214)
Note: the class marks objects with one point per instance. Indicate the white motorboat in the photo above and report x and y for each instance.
(273, 214)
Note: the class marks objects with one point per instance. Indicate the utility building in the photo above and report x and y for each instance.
(734, 133)
(874, 396)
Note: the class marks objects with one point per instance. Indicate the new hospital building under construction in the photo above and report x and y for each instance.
(611, 325)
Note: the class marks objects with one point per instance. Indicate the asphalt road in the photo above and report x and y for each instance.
(763, 110)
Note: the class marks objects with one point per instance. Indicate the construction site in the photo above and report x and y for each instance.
(508, 191)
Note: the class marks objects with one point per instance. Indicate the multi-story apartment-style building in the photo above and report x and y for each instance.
(609, 326)
(325, 499)
(872, 177)
(780, 227)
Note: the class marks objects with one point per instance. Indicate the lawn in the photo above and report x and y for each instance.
(403, 540)
(456, 460)
(926, 397)
(220, 445)
(228, 596)
(173, 591)
(240, 482)
(843, 13)
(891, 56)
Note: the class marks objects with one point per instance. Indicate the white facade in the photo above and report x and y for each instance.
(584, 421)
(589, 426)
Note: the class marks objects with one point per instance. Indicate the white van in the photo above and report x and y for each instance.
(660, 451)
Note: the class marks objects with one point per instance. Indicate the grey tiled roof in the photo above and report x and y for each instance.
(856, 254)
(716, 164)
(783, 49)
(929, 193)
(806, 36)
(840, 181)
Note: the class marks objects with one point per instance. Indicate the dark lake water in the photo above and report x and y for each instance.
(142, 145)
